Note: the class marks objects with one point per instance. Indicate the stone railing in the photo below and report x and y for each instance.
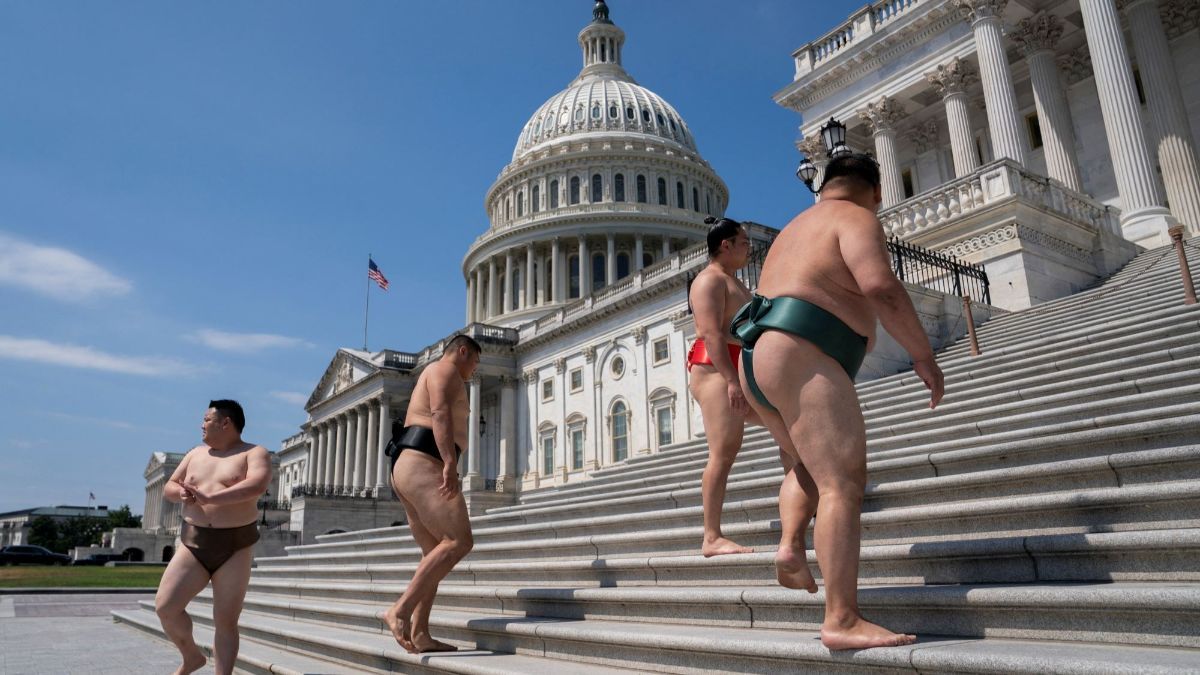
(997, 182)
(336, 491)
(860, 26)
(293, 440)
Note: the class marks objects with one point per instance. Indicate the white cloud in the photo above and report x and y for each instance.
(75, 356)
(293, 397)
(55, 272)
(246, 343)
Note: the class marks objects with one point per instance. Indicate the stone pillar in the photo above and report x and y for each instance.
(480, 298)
(638, 253)
(473, 427)
(509, 301)
(1176, 147)
(382, 474)
(331, 435)
(1143, 218)
(350, 456)
(310, 465)
(372, 469)
(882, 117)
(530, 288)
(556, 272)
(814, 149)
(666, 247)
(470, 297)
(610, 261)
(585, 268)
(360, 457)
(508, 429)
(493, 305)
(951, 81)
(1001, 100)
(1037, 36)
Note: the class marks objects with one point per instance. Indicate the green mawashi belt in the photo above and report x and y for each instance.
(798, 317)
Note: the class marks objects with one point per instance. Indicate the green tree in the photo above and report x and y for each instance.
(122, 517)
(81, 531)
(43, 531)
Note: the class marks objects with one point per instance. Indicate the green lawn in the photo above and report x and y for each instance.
(44, 576)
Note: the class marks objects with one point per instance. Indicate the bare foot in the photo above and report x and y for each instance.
(401, 629)
(191, 664)
(721, 546)
(862, 634)
(791, 570)
(423, 643)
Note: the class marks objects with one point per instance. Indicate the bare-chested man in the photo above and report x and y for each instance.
(425, 478)
(715, 296)
(811, 322)
(219, 483)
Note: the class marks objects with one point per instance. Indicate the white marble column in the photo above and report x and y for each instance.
(882, 117)
(1175, 145)
(310, 466)
(351, 453)
(530, 288)
(383, 462)
(508, 428)
(951, 81)
(556, 272)
(1004, 122)
(493, 304)
(1143, 218)
(339, 453)
(331, 434)
(473, 427)
(360, 456)
(480, 298)
(638, 252)
(666, 247)
(814, 149)
(470, 297)
(610, 261)
(585, 268)
(1037, 36)
(372, 477)
(510, 301)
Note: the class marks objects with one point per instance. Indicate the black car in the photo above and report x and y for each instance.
(98, 559)
(31, 555)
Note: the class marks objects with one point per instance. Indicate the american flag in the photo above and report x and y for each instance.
(374, 273)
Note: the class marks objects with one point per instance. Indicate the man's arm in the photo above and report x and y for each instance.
(444, 388)
(860, 239)
(174, 491)
(250, 488)
(708, 306)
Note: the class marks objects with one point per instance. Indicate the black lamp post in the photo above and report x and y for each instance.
(833, 135)
(266, 500)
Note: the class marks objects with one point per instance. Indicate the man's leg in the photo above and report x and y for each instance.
(181, 581)
(417, 478)
(229, 592)
(723, 428)
(422, 641)
(820, 406)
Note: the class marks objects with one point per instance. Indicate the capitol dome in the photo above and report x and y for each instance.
(605, 180)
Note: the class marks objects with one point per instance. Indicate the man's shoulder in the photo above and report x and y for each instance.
(255, 450)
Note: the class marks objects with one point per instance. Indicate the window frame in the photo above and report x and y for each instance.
(571, 380)
(665, 340)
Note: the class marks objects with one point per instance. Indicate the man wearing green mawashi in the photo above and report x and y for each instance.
(825, 282)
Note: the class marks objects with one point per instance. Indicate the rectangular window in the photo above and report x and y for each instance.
(663, 419)
(548, 389)
(577, 448)
(662, 351)
(620, 436)
(547, 454)
(1034, 128)
(577, 379)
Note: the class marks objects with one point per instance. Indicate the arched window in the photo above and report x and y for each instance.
(554, 194)
(679, 194)
(536, 204)
(619, 188)
(603, 52)
(520, 203)
(579, 114)
(596, 111)
(629, 112)
(662, 191)
(641, 189)
(573, 198)
(661, 122)
(573, 271)
(508, 208)
(613, 112)
(598, 279)
(646, 116)
(620, 431)
(622, 265)
(695, 200)
(546, 434)
(597, 188)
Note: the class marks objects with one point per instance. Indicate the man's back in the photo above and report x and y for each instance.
(807, 261)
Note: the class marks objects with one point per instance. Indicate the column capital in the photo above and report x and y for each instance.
(560, 365)
(639, 334)
(508, 381)
(1037, 33)
(1179, 16)
(531, 376)
(589, 354)
(953, 77)
(1076, 65)
(882, 115)
(977, 10)
(813, 148)
(925, 135)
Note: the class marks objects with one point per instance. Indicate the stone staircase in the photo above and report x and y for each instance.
(1045, 518)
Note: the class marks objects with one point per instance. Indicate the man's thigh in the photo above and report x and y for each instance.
(722, 426)
(418, 479)
(181, 581)
(229, 584)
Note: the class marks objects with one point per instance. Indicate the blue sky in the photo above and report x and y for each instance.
(189, 191)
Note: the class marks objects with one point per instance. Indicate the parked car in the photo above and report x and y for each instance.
(98, 559)
(31, 555)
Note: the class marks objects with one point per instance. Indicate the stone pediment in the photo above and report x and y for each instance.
(346, 368)
(160, 459)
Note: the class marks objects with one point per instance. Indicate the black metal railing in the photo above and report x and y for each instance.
(758, 253)
(274, 505)
(400, 360)
(336, 491)
(939, 271)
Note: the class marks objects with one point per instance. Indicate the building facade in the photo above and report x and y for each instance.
(15, 525)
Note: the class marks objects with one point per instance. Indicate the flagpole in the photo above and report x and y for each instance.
(367, 311)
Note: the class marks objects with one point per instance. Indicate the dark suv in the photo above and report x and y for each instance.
(31, 555)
